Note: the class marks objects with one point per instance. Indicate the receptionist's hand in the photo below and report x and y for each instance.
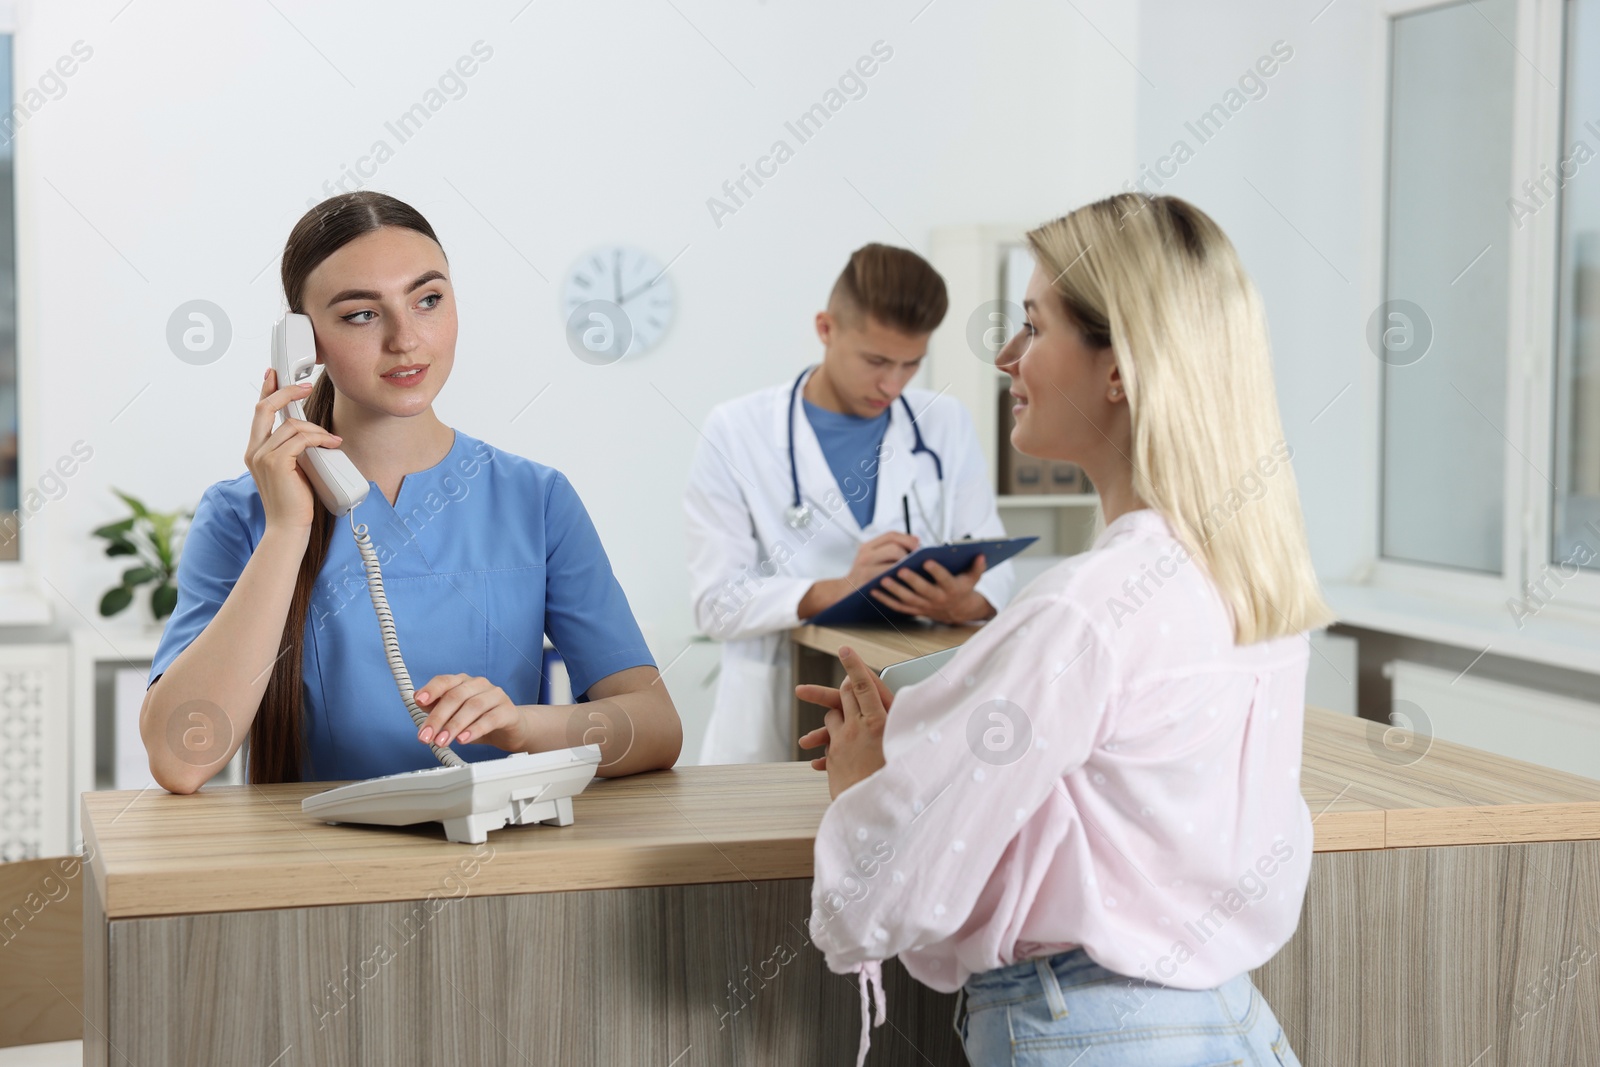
(273, 456)
(463, 708)
(853, 725)
(949, 598)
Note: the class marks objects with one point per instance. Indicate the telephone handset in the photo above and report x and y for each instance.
(337, 482)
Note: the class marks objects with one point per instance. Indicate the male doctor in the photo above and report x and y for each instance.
(805, 490)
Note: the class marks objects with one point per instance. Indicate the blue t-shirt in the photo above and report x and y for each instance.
(482, 554)
(850, 445)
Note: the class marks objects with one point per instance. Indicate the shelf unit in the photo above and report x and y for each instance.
(94, 726)
(92, 647)
(972, 259)
(1049, 500)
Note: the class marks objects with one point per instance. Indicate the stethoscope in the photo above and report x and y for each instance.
(799, 513)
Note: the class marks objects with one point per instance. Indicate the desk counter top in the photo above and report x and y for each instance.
(879, 646)
(239, 848)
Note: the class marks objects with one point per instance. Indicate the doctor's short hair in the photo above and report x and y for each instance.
(895, 286)
(1157, 281)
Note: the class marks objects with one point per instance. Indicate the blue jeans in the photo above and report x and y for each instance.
(1068, 1011)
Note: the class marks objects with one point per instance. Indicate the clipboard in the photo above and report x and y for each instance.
(859, 609)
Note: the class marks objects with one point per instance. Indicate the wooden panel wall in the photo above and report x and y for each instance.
(679, 975)
(1477, 956)
(41, 924)
(96, 976)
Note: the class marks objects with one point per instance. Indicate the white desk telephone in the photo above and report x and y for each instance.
(470, 799)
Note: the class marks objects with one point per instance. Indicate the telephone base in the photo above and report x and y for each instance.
(474, 829)
(524, 789)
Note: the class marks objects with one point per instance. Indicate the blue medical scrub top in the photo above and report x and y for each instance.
(851, 444)
(482, 555)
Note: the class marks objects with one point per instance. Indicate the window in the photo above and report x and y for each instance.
(1442, 331)
(1575, 495)
(1489, 328)
(9, 498)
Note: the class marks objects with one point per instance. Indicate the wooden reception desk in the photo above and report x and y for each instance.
(666, 926)
(1452, 899)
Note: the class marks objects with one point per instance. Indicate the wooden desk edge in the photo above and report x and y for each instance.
(139, 894)
(881, 646)
(93, 858)
(1347, 831)
(1499, 824)
(142, 894)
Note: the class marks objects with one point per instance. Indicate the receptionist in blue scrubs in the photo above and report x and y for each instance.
(482, 552)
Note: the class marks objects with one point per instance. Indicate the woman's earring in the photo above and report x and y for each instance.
(1115, 392)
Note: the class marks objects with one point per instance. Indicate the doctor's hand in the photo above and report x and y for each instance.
(948, 598)
(878, 555)
(854, 726)
(463, 708)
(872, 559)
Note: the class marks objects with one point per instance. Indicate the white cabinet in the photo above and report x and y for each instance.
(94, 727)
(38, 804)
(102, 732)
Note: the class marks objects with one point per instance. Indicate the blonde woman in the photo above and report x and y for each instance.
(1090, 820)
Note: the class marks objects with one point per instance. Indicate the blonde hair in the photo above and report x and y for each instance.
(1159, 282)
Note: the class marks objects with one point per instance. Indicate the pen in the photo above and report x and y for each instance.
(905, 506)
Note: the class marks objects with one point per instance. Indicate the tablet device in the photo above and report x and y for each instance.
(896, 676)
(860, 609)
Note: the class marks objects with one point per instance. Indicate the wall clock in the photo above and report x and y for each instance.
(618, 302)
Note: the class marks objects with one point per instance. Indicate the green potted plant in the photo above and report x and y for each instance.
(152, 537)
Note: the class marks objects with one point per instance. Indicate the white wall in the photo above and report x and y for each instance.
(183, 151)
(1293, 177)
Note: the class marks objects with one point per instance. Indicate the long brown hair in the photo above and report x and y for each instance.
(277, 739)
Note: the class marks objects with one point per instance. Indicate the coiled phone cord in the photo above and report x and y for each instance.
(391, 643)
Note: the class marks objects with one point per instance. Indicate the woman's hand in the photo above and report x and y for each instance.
(829, 697)
(463, 708)
(273, 457)
(948, 598)
(853, 725)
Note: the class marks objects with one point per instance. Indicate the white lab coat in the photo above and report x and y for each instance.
(749, 569)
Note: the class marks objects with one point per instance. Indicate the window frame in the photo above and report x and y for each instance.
(23, 603)
(17, 574)
(1532, 336)
(1580, 593)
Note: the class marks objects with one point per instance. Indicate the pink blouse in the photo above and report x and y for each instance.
(1099, 766)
